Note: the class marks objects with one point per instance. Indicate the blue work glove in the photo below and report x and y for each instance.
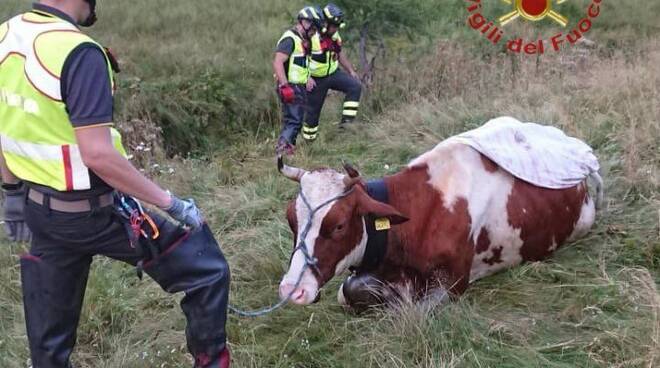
(14, 203)
(185, 211)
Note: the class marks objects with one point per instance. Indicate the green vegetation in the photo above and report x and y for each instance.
(200, 71)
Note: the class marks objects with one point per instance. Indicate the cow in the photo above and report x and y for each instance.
(449, 218)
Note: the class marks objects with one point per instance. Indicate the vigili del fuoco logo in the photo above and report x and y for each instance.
(531, 10)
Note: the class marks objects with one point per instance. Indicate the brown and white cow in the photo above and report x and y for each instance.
(454, 216)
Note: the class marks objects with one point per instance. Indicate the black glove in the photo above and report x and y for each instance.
(14, 203)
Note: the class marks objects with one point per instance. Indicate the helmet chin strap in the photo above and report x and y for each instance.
(305, 30)
(91, 19)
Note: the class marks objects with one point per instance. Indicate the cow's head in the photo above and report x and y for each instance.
(327, 220)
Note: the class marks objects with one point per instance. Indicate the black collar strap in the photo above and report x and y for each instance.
(53, 12)
(377, 229)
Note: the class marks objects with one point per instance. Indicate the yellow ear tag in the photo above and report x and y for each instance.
(382, 224)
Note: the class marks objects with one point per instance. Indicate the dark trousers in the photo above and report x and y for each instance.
(293, 114)
(54, 277)
(338, 81)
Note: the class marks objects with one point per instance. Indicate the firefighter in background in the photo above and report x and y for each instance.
(324, 68)
(292, 74)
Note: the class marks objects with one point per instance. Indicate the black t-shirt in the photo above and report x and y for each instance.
(86, 88)
(285, 46)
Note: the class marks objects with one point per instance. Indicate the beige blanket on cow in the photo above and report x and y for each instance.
(539, 154)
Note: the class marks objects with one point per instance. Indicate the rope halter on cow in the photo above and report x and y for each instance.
(311, 262)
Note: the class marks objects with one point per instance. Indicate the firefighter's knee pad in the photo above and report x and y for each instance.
(192, 262)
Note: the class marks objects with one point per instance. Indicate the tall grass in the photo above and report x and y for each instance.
(201, 71)
(594, 304)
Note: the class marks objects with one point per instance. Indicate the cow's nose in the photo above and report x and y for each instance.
(297, 295)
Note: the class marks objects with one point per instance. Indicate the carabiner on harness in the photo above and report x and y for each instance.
(142, 227)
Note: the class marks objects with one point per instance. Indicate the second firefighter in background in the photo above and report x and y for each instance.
(326, 57)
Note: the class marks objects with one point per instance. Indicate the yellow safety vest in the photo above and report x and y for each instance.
(297, 68)
(322, 64)
(38, 141)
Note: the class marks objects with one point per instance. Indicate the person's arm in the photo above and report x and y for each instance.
(88, 97)
(283, 52)
(100, 156)
(278, 68)
(346, 64)
(311, 84)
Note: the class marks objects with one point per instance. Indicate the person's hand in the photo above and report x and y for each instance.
(186, 212)
(311, 83)
(287, 94)
(14, 203)
(355, 75)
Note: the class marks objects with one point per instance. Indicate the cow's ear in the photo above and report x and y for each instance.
(367, 205)
(291, 217)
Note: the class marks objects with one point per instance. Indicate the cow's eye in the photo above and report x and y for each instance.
(339, 227)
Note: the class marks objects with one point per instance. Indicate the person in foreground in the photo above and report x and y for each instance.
(67, 175)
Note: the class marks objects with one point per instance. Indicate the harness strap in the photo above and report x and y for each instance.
(310, 262)
(141, 229)
(377, 238)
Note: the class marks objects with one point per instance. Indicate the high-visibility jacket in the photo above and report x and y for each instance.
(323, 63)
(38, 140)
(296, 67)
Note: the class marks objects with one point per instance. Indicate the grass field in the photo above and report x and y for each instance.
(197, 80)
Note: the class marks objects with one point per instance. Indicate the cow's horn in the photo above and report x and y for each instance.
(353, 176)
(292, 173)
(350, 170)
